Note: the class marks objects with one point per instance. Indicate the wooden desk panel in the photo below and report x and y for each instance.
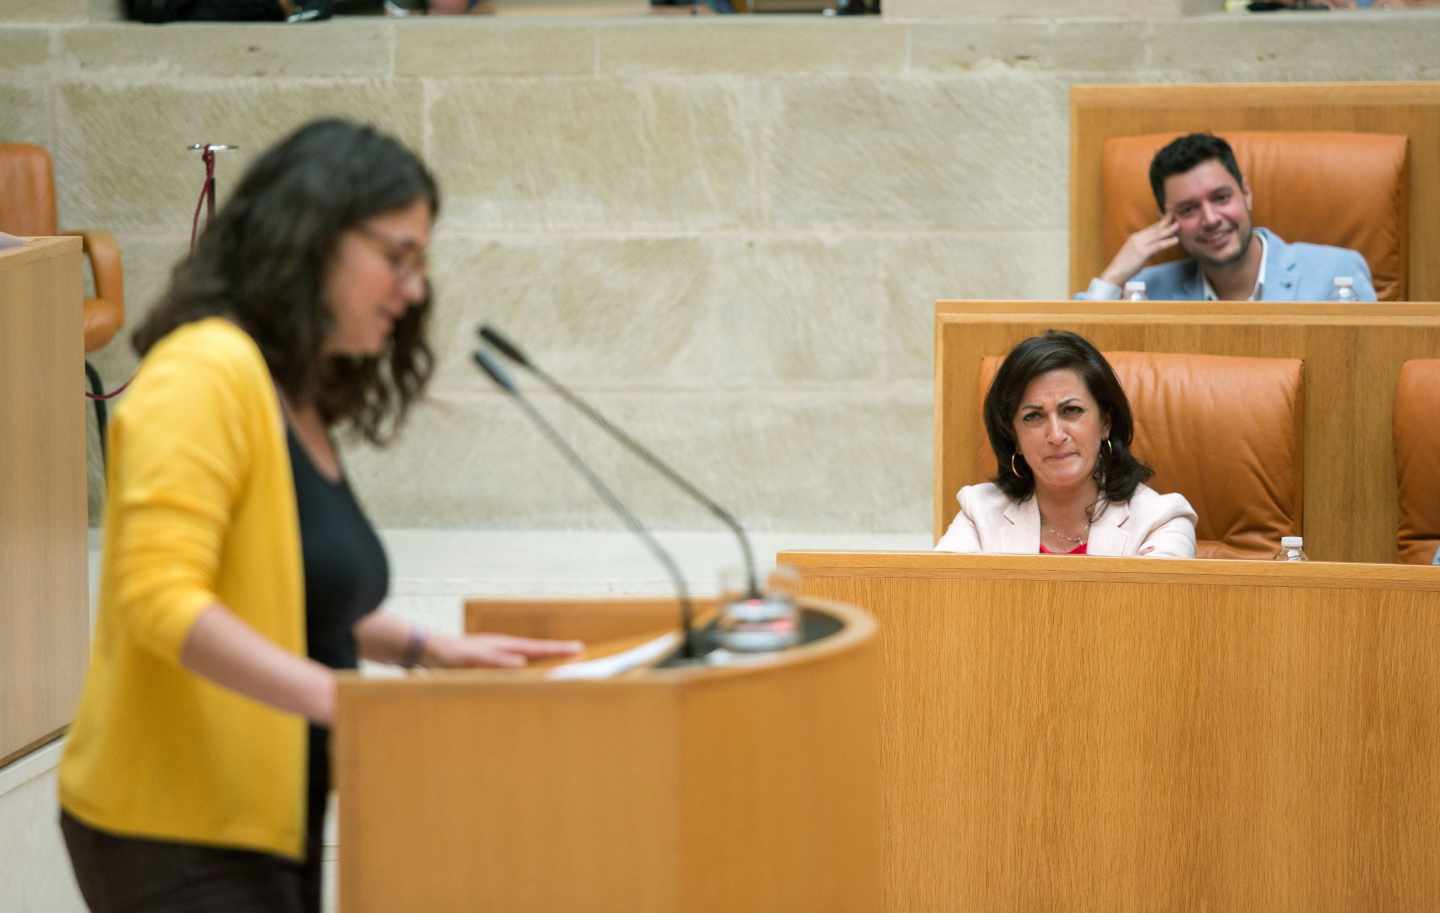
(44, 610)
(1092, 734)
(1352, 360)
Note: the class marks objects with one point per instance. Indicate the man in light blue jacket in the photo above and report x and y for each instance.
(1205, 206)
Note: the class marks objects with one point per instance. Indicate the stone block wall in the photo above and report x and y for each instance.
(729, 232)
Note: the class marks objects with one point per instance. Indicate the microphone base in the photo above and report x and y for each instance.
(707, 650)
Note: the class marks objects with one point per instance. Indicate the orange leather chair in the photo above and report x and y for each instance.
(1417, 460)
(1226, 432)
(1344, 189)
(27, 207)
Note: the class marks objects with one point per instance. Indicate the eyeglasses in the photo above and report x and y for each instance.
(406, 258)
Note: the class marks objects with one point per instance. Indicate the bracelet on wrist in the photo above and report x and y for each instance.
(414, 647)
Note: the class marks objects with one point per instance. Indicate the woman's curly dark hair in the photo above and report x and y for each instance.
(264, 259)
(1117, 471)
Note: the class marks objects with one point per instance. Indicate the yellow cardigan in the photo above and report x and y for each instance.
(201, 510)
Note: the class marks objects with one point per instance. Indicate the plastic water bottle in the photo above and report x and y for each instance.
(1345, 289)
(1135, 290)
(1292, 548)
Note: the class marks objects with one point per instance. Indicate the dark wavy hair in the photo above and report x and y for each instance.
(1117, 471)
(264, 259)
(1184, 153)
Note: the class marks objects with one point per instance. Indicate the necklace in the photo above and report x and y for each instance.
(1073, 540)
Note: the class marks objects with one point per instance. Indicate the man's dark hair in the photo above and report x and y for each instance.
(1117, 471)
(1185, 153)
(263, 263)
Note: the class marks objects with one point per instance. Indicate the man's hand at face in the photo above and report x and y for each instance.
(1139, 248)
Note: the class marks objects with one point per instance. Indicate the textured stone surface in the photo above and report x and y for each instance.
(488, 48)
(962, 9)
(1303, 47)
(672, 314)
(107, 10)
(977, 152)
(347, 48)
(792, 461)
(25, 51)
(916, 272)
(750, 47)
(58, 11)
(123, 158)
(521, 155)
(1029, 46)
(24, 113)
(733, 232)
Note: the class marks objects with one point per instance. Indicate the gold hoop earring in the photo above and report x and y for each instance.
(1013, 471)
(1109, 450)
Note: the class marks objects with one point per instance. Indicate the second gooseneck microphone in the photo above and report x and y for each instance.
(511, 351)
(687, 610)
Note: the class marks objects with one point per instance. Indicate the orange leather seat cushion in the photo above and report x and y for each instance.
(1345, 189)
(1226, 432)
(1417, 460)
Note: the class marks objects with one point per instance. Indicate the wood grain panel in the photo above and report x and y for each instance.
(1130, 735)
(589, 619)
(1408, 108)
(1352, 361)
(750, 787)
(44, 615)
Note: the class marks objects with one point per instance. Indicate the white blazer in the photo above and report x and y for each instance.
(1150, 524)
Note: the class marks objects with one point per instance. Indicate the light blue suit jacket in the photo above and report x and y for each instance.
(1293, 272)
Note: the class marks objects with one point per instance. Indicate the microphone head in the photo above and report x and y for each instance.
(502, 345)
(497, 373)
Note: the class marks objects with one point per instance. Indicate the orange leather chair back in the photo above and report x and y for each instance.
(27, 207)
(1226, 432)
(1417, 460)
(27, 190)
(1346, 189)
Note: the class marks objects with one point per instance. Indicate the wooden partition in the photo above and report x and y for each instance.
(1107, 734)
(1352, 358)
(1410, 109)
(44, 614)
(746, 787)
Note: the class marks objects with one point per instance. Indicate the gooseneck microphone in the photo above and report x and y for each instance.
(511, 351)
(687, 611)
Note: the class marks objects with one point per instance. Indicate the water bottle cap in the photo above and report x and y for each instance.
(1344, 282)
(1292, 541)
(1138, 285)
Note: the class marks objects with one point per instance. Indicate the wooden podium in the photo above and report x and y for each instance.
(748, 787)
(44, 608)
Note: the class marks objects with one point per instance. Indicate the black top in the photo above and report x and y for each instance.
(346, 578)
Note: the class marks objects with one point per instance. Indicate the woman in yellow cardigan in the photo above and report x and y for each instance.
(238, 569)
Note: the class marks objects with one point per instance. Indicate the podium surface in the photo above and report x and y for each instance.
(750, 786)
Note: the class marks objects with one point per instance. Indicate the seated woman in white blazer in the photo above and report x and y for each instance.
(1060, 426)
